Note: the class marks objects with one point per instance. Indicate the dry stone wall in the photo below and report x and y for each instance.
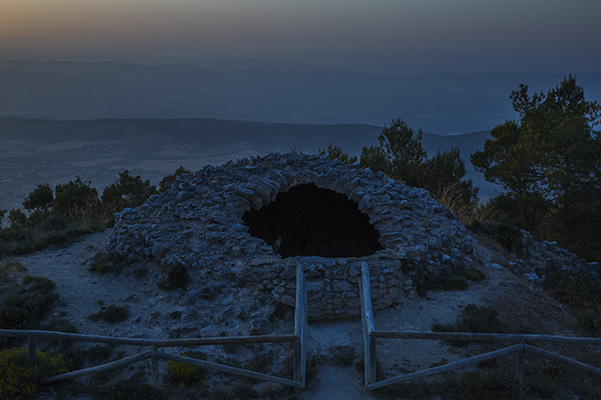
(198, 223)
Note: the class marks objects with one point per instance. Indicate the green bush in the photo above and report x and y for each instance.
(186, 375)
(506, 235)
(476, 320)
(474, 274)
(18, 380)
(490, 384)
(23, 307)
(75, 197)
(63, 325)
(169, 179)
(127, 191)
(38, 283)
(42, 197)
(114, 314)
(99, 263)
(10, 265)
(79, 356)
(109, 387)
(111, 314)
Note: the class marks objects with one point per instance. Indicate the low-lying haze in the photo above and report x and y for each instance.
(382, 36)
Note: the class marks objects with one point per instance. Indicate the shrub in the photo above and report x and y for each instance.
(114, 314)
(63, 325)
(13, 264)
(124, 389)
(336, 153)
(23, 307)
(169, 179)
(74, 196)
(10, 265)
(99, 263)
(474, 274)
(489, 384)
(259, 362)
(17, 218)
(18, 380)
(54, 222)
(79, 356)
(96, 316)
(186, 375)
(476, 320)
(38, 283)
(177, 277)
(508, 236)
(41, 197)
(127, 191)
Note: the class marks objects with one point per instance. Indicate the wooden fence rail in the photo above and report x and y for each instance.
(298, 341)
(370, 334)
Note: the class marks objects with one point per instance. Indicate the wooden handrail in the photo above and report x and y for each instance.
(225, 340)
(210, 341)
(99, 368)
(483, 337)
(566, 360)
(226, 368)
(447, 367)
(299, 340)
(370, 334)
(78, 337)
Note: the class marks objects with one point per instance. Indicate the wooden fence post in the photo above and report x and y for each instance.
(154, 365)
(372, 360)
(369, 341)
(299, 353)
(33, 357)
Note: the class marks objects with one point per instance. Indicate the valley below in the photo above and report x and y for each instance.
(37, 151)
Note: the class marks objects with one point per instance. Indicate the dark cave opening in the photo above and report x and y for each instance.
(309, 221)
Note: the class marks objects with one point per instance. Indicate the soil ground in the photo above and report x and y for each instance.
(518, 301)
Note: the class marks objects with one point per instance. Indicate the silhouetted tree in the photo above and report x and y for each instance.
(168, 179)
(549, 163)
(400, 155)
(41, 197)
(75, 197)
(127, 191)
(336, 153)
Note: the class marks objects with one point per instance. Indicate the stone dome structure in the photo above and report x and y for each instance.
(255, 220)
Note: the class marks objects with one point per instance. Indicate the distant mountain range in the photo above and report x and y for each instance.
(441, 104)
(35, 151)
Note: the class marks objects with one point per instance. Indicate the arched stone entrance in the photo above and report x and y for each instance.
(309, 221)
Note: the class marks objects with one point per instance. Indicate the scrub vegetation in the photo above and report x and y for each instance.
(54, 216)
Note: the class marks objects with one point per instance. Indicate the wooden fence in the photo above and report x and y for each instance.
(370, 334)
(298, 341)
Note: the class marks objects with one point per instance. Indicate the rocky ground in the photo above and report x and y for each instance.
(336, 346)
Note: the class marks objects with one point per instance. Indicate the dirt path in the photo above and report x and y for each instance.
(337, 344)
(82, 292)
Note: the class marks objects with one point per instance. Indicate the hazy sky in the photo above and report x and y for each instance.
(403, 36)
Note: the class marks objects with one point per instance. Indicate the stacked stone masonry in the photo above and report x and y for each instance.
(198, 223)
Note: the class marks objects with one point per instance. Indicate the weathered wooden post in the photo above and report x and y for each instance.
(369, 341)
(33, 357)
(300, 328)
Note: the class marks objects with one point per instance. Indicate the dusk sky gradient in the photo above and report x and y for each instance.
(377, 36)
